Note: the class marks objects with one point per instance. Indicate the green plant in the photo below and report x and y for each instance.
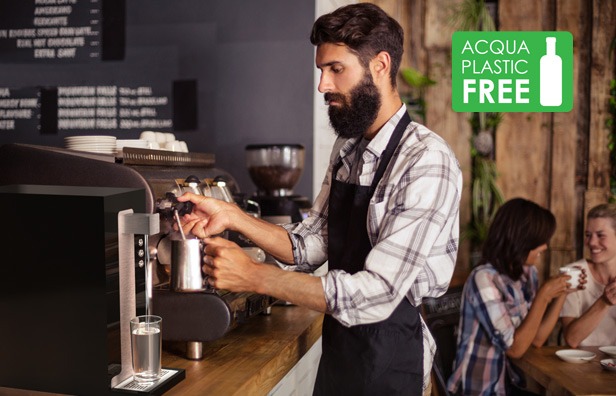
(418, 83)
(472, 15)
(485, 201)
(486, 196)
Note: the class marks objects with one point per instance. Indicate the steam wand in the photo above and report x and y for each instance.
(177, 219)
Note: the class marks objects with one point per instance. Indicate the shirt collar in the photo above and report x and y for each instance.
(378, 144)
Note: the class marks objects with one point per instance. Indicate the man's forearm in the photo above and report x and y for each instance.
(295, 287)
(270, 237)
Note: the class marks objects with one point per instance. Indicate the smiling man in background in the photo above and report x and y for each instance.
(386, 220)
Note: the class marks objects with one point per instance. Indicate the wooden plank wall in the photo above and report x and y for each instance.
(602, 69)
(523, 140)
(569, 139)
(559, 160)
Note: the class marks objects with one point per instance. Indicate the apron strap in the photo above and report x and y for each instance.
(389, 150)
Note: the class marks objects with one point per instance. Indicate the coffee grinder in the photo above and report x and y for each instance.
(275, 169)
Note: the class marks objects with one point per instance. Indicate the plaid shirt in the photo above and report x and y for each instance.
(412, 223)
(493, 306)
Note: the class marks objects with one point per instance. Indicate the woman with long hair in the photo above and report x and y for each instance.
(504, 311)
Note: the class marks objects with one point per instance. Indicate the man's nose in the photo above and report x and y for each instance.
(325, 84)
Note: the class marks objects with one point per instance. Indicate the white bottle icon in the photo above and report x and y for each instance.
(551, 76)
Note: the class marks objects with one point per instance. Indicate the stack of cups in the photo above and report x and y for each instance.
(163, 141)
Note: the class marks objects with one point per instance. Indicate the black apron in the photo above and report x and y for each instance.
(384, 358)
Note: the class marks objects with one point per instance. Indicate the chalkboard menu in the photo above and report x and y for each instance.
(111, 107)
(99, 107)
(19, 108)
(61, 31)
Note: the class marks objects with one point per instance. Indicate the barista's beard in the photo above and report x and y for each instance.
(354, 116)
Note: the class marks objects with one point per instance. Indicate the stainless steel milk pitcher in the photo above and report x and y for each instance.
(186, 262)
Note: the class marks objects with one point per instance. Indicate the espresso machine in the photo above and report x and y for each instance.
(275, 169)
(192, 315)
(182, 295)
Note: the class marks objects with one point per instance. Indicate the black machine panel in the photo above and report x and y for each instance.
(59, 309)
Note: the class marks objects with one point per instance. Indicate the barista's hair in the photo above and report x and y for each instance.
(604, 211)
(519, 226)
(366, 30)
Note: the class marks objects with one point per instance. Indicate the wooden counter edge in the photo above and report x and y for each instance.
(286, 337)
(542, 356)
(252, 358)
(280, 365)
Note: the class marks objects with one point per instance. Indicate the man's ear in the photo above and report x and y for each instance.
(380, 66)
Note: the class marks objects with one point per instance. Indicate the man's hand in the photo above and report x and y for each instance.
(209, 217)
(212, 216)
(228, 267)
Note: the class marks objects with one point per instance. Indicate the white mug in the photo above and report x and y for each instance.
(575, 275)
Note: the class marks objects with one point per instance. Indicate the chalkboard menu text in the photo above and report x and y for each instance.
(100, 108)
(19, 108)
(110, 107)
(58, 31)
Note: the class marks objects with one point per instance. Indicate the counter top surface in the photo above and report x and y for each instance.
(252, 358)
(561, 378)
(249, 360)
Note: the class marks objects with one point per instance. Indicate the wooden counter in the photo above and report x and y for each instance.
(252, 358)
(561, 378)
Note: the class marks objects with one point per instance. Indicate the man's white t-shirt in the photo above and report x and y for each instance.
(579, 302)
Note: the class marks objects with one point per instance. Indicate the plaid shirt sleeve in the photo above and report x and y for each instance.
(309, 237)
(493, 306)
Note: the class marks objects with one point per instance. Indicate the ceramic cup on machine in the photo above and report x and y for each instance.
(174, 145)
(186, 262)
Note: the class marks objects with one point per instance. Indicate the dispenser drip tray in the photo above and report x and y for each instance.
(170, 377)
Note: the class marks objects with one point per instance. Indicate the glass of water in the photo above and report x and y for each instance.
(146, 345)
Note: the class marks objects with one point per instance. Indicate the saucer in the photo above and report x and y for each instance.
(609, 364)
(575, 355)
(609, 350)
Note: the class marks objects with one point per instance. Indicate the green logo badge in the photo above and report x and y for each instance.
(512, 71)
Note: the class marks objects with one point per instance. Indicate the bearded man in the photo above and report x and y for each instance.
(386, 220)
